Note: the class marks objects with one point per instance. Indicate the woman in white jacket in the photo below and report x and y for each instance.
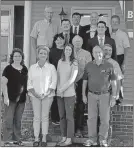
(42, 81)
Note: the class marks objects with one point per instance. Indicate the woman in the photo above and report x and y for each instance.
(55, 56)
(14, 83)
(42, 81)
(67, 71)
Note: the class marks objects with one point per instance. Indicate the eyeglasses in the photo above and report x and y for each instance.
(17, 56)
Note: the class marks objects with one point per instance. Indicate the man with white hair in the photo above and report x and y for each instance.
(83, 57)
(90, 31)
(44, 30)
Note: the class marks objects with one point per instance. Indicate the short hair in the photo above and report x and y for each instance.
(12, 54)
(116, 16)
(46, 7)
(108, 45)
(76, 13)
(65, 20)
(102, 22)
(56, 37)
(77, 36)
(97, 46)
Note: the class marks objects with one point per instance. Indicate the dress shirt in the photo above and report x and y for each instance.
(103, 39)
(41, 79)
(92, 31)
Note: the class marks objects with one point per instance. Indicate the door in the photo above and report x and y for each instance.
(104, 13)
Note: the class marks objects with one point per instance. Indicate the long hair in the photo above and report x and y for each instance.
(72, 57)
(12, 54)
(55, 38)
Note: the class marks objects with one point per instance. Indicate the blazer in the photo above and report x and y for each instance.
(86, 34)
(94, 41)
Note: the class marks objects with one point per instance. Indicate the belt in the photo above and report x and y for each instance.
(99, 93)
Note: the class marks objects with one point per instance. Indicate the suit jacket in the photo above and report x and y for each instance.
(86, 34)
(94, 41)
(80, 32)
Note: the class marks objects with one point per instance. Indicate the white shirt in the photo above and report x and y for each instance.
(99, 39)
(77, 29)
(41, 79)
(92, 31)
(121, 40)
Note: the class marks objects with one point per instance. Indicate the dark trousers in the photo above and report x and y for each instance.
(120, 59)
(66, 112)
(54, 111)
(12, 121)
(79, 108)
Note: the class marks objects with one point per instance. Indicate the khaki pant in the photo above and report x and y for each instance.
(98, 104)
(41, 110)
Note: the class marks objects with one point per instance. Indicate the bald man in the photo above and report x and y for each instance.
(90, 31)
(44, 30)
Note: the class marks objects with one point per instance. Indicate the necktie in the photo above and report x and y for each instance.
(66, 38)
(75, 30)
(101, 42)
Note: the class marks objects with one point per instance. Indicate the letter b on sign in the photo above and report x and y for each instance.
(130, 14)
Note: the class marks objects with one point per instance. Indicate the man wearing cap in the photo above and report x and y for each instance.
(99, 75)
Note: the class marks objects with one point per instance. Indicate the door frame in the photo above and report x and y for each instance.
(10, 8)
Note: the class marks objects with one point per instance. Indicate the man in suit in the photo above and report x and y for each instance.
(90, 31)
(101, 39)
(66, 25)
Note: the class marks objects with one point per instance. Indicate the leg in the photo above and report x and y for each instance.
(36, 103)
(8, 121)
(62, 113)
(92, 116)
(17, 120)
(54, 111)
(104, 110)
(69, 106)
(45, 109)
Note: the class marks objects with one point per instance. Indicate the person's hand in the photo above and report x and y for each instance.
(28, 99)
(38, 96)
(123, 68)
(84, 98)
(59, 93)
(6, 101)
(112, 101)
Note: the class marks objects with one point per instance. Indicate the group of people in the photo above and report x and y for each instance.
(80, 65)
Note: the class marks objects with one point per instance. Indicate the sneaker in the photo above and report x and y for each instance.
(55, 122)
(19, 143)
(90, 143)
(44, 144)
(36, 143)
(61, 141)
(103, 143)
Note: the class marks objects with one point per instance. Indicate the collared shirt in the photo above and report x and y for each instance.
(99, 39)
(121, 40)
(93, 31)
(83, 57)
(116, 69)
(99, 76)
(44, 32)
(41, 79)
(77, 29)
(67, 37)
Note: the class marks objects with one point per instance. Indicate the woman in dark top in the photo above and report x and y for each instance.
(14, 88)
(55, 56)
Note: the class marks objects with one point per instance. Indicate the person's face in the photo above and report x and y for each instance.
(107, 52)
(77, 43)
(94, 18)
(17, 57)
(68, 51)
(101, 29)
(98, 53)
(42, 55)
(48, 14)
(65, 26)
(60, 42)
(76, 19)
(115, 23)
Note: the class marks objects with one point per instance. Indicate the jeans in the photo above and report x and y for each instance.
(12, 121)
(41, 110)
(66, 112)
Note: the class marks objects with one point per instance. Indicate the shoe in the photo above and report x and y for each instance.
(61, 141)
(103, 143)
(63, 144)
(90, 143)
(78, 134)
(55, 122)
(7, 144)
(19, 143)
(36, 143)
(44, 144)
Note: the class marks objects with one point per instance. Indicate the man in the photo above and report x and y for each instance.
(90, 31)
(121, 40)
(66, 25)
(101, 39)
(44, 30)
(107, 55)
(99, 74)
(83, 57)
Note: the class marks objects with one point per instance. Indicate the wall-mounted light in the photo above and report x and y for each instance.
(62, 14)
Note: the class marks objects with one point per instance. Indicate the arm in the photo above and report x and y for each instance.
(114, 56)
(107, 32)
(34, 44)
(73, 76)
